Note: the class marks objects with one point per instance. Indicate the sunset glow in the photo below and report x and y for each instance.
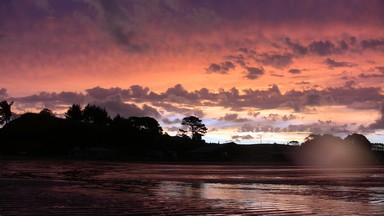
(253, 71)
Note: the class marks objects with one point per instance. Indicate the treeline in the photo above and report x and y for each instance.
(91, 131)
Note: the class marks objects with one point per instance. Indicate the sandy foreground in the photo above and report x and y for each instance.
(38, 187)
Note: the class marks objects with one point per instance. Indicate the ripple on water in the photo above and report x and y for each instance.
(107, 188)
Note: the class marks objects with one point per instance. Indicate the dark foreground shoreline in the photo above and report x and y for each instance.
(98, 187)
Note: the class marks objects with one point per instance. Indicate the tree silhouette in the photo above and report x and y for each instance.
(311, 138)
(182, 133)
(321, 141)
(146, 125)
(5, 111)
(74, 112)
(46, 112)
(359, 140)
(196, 127)
(95, 115)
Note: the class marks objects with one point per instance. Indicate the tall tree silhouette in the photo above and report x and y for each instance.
(5, 111)
(196, 127)
(95, 115)
(74, 112)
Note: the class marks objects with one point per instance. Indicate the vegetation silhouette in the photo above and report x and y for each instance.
(74, 112)
(90, 132)
(196, 127)
(47, 112)
(5, 112)
(95, 115)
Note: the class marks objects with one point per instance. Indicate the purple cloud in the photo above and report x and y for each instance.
(3, 93)
(222, 68)
(297, 48)
(294, 71)
(371, 75)
(322, 48)
(52, 100)
(102, 93)
(169, 121)
(276, 117)
(379, 123)
(179, 101)
(254, 72)
(116, 106)
(332, 63)
(276, 60)
(375, 44)
(380, 69)
(242, 137)
(233, 117)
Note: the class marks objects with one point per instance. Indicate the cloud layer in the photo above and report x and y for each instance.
(179, 102)
(281, 61)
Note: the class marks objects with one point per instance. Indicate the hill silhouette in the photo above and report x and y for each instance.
(42, 134)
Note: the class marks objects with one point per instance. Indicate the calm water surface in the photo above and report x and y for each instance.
(46, 187)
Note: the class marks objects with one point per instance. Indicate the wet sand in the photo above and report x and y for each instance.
(49, 187)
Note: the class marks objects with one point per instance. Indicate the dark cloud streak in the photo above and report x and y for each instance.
(294, 71)
(297, 48)
(375, 44)
(254, 72)
(332, 63)
(233, 117)
(3, 93)
(275, 60)
(120, 26)
(222, 68)
(379, 123)
(322, 48)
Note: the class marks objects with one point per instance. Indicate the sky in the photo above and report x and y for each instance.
(255, 71)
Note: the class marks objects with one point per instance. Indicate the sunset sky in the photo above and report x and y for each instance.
(253, 70)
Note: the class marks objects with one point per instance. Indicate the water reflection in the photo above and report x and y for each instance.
(181, 190)
(170, 189)
(300, 199)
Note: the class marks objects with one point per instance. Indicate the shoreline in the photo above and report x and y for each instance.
(188, 162)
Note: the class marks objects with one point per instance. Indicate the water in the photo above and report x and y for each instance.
(48, 187)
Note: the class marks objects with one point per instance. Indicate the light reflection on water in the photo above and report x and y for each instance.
(205, 189)
(303, 199)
